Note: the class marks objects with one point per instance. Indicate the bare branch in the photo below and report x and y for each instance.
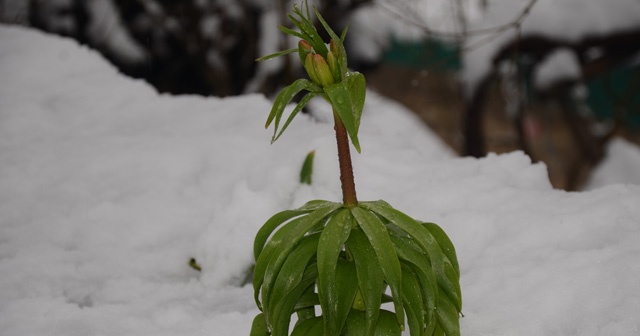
(406, 16)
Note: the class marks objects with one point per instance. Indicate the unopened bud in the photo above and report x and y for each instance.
(308, 66)
(333, 65)
(333, 47)
(304, 49)
(325, 77)
(339, 66)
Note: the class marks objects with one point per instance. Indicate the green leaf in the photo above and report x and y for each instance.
(445, 244)
(276, 249)
(271, 224)
(285, 96)
(448, 316)
(331, 243)
(309, 327)
(370, 277)
(384, 249)
(293, 268)
(306, 25)
(301, 104)
(283, 241)
(413, 303)
(259, 326)
(386, 325)
(356, 324)
(347, 289)
(308, 300)
(452, 285)
(347, 98)
(277, 54)
(294, 33)
(412, 256)
(426, 241)
(317, 204)
(342, 61)
(306, 173)
(267, 254)
(344, 34)
(280, 315)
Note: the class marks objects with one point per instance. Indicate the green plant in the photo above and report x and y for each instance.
(306, 172)
(344, 256)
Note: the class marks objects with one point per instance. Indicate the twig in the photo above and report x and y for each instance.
(483, 31)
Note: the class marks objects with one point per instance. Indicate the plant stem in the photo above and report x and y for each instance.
(346, 169)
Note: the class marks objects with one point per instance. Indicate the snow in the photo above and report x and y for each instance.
(620, 166)
(107, 188)
(561, 64)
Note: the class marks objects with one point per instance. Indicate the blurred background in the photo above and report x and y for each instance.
(558, 79)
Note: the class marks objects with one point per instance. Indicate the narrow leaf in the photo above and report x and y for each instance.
(294, 33)
(384, 249)
(370, 277)
(277, 54)
(413, 256)
(259, 326)
(307, 26)
(285, 96)
(452, 285)
(283, 242)
(388, 324)
(426, 241)
(306, 173)
(385, 325)
(293, 268)
(347, 98)
(308, 299)
(338, 40)
(301, 104)
(413, 303)
(448, 317)
(266, 255)
(270, 225)
(445, 244)
(310, 34)
(438, 331)
(317, 204)
(346, 290)
(331, 243)
(310, 327)
(280, 317)
(344, 34)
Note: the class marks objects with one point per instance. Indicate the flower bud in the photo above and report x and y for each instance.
(338, 69)
(308, 66)
(325, 77)
(304, 48)
(333, 65)
(334, 48)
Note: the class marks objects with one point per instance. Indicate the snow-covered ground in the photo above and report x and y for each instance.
(108, 188)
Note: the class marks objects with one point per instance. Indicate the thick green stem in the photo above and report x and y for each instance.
(346, 169)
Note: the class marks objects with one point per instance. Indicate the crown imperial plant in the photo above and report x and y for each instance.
(347, 257)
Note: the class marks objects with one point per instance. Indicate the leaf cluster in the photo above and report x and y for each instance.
(346, 260)
(347, 92)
